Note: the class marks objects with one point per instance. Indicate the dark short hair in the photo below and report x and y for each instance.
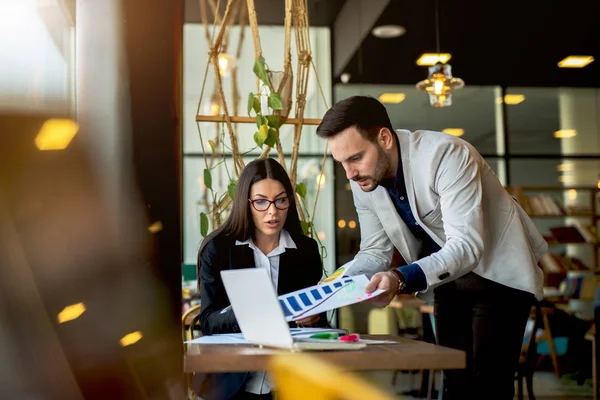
(367, 114)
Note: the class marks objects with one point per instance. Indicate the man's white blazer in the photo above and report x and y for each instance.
(458, 200)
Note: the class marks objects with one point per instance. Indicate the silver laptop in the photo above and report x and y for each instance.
(260, 317)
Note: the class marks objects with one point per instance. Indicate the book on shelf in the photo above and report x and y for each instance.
(556, 267)
(542, 205)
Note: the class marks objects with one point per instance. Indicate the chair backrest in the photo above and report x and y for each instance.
(302, 376)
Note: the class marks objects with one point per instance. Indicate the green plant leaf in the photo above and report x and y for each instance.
(261, 135)
(212, 146)
(260, 70)
(301, 190)
(260, 120)
(275, 102)
(203, 224)
(207, 179)
(231, 189)
(256, 105)
(272, 138)
(251, 99)
(273, 121)
(304, 226)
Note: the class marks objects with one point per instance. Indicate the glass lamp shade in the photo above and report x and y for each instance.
(440, 84)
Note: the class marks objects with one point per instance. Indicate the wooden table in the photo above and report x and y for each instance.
(406, 354)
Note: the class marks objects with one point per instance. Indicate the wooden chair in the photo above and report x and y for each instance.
(188, 320)
(528, 359)
(304, 376)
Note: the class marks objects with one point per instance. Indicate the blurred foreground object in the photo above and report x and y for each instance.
(83, 313)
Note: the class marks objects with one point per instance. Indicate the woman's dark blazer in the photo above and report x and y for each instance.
(298, 269)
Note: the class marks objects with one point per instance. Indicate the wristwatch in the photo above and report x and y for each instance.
(402, 286)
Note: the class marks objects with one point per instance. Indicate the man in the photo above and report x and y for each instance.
(466, 242)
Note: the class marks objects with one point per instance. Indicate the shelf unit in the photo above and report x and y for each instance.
(592, 215)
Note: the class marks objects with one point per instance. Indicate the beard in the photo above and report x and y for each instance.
(382, 166)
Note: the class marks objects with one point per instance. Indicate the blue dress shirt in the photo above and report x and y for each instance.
(414, 275)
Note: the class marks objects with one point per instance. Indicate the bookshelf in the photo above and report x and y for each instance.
(540, 202)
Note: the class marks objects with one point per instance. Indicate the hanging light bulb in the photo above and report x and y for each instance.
(215, 103)
(226, 63)
(440, 84)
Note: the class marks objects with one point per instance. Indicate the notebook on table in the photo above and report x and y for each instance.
(260, 316)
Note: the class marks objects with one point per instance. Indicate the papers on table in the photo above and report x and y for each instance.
(238, 338)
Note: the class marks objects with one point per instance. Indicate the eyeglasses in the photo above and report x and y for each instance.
(282, 203)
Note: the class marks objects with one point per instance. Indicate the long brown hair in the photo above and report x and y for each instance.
(239, 224)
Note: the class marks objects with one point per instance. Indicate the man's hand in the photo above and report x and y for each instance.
(308, 321)
(387, 281)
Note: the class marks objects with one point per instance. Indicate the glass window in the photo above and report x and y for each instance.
(554, 121)
(473, 111)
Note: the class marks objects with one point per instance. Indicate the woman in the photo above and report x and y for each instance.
(262, 231)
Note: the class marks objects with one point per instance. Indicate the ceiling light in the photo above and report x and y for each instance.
(565, 133)
(575, 61)
(513, 99)
(388, 31)
(392, 98)
(454, 131)
(226, 63)
(440, 84)
(352, 224)
(341, 223)
(345, 77)
(56, 134)
(572, 193)
(429, 59)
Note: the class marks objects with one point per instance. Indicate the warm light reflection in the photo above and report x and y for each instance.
(565, 133)
(321, 236)
(348, 186)
(156, 227)
(131, 338)
(565, 178)
(429, 59)
(564, 167)
(352, 224)
(225, 62)
(454, 131)
(71, 312)
(575, 61)
(392, 98)
(321, 180)
(341, 223)
(572, 194)
(56, 134)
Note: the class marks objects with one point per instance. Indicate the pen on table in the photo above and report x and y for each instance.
(223, 311)
(325, 335)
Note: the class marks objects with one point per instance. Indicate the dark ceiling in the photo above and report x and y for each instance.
(272, 12)
(492, 43)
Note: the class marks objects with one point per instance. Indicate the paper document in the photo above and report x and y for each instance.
(238, 338)
(325, 296)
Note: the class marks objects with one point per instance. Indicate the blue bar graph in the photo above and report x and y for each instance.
(316, 294)
(337, 285)
(294, 303)
(305, 299)
(327, 290)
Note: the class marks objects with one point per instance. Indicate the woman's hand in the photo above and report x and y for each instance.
(308, 321)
